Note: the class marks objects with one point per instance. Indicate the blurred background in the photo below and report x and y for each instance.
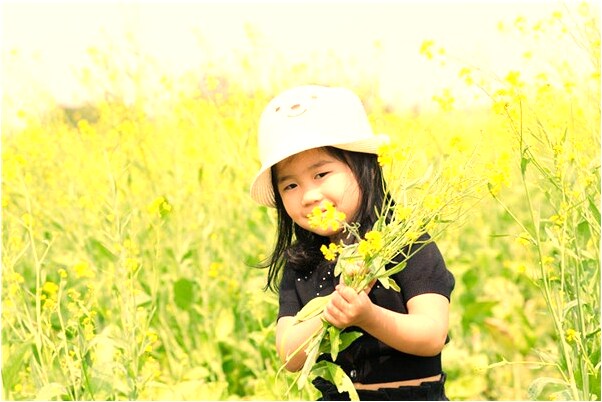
(47, 44)
(130, 245)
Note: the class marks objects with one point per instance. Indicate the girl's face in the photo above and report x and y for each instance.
(307, 179)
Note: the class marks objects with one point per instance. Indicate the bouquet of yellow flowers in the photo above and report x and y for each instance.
(428, 204)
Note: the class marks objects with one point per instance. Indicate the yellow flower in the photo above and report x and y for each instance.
(132, 264)
(466, 73)
(524, 239)
(426, 49)
(445, 100)
(402, 213)
(557, 220)
(28, 220)
(214, 269)
(571, 335)
(385, 155)
(327, 218)
(513, 78)
(499, 175)
(50, 288)
(151, 337)
(371, 245)
(82, 270)
(432, 202)
(330, 252)
(16, 277)
(160, 207)
(412, 236)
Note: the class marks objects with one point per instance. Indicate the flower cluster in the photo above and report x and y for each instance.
(326, 216)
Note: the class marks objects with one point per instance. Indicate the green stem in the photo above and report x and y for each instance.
(546, 287)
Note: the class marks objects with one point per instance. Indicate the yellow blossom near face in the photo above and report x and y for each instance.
(330, 252)
(330, 217)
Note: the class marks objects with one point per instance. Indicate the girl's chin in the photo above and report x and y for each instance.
(333, 235)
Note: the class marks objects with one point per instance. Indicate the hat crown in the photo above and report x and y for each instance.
(309, 117)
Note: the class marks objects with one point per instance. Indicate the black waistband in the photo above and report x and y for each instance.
(427, 391)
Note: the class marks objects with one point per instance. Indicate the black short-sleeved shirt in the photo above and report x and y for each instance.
(367, 360)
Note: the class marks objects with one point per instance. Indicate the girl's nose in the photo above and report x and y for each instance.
(312, 196)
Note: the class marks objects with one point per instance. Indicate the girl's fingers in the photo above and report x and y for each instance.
(347, 293)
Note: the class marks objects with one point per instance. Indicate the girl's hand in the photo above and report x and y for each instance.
(348, 308)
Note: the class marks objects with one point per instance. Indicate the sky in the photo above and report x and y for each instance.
(44, 43)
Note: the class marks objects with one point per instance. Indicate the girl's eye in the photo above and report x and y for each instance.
(289, 187)
(320, 175)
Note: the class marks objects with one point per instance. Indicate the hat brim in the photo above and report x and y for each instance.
(262, 190)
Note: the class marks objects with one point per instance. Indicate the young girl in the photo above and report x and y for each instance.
(316, 146)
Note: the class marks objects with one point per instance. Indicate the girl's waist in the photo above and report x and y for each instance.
(397, 384)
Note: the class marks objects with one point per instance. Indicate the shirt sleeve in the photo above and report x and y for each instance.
(289, 302)
(426, 272)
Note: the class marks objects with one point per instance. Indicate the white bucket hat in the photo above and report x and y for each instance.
(309, 117)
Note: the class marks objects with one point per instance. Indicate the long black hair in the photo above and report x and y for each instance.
(298, 248)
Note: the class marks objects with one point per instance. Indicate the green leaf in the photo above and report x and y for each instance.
(50, 391)
(385, 282)
(99, 251)
(347, 338)
(335, 341)
(334, 374)
(524, 161)
(12, 366)
(313, 308)
(397, 268)
(540, 384)
(183, 290)
(584, 231)
(313, 351)
(393, 285)
(593, 207)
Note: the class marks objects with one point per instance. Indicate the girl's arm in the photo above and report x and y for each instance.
(290, 336)
(421, 332)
